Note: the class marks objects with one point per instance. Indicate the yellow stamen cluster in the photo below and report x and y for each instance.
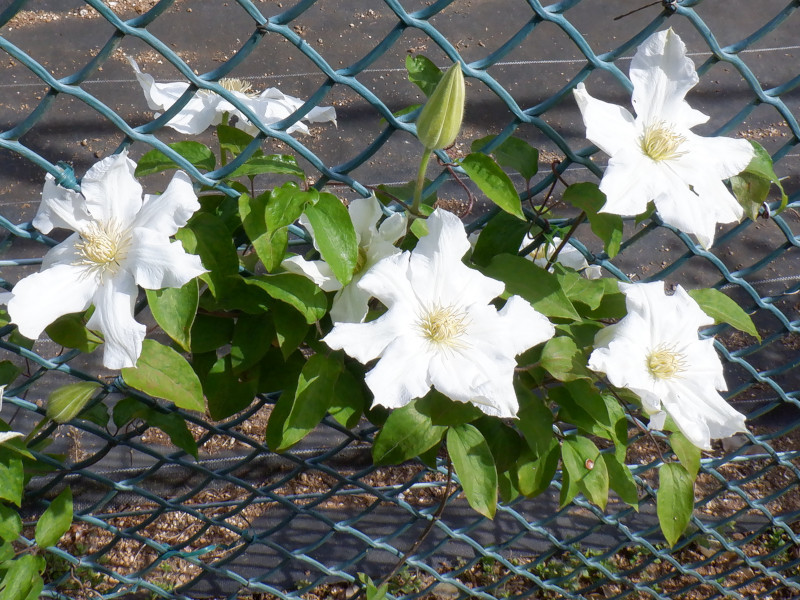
(444, 325)
(233, 84)
(665, 363)
(103, 246)
(660, 142)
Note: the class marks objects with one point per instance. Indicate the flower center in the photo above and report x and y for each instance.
(659, 142)
(233, 84)
(665, 363)
(444, 325)
(103, 246)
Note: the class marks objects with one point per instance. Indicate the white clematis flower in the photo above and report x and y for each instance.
(655, 352)
(569, 256)
(207, 108)
(120, 241)
(440, 329)
(6, 435)
(350, 304)
(655, 156)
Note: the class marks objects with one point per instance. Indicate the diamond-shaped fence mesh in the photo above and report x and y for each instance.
(243, 522)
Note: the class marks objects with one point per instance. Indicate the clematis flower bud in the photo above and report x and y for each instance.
(440, 120)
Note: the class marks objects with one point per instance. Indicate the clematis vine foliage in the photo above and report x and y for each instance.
(513, 355)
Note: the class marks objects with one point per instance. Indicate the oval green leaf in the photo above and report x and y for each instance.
(675, 500)
(55, 521)
(493, 182)
(474, 466)
(68, 401)
(334, 235)
(174, 309)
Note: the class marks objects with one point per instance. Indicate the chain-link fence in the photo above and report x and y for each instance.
(243, 522)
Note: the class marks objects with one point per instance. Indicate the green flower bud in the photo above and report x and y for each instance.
(440, 120)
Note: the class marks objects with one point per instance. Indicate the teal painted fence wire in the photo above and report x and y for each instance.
(242, 522)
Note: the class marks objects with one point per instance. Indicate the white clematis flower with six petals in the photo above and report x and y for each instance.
(440, 329)
(655, 352)
(120, 241)
(350, 304)
(655, 156)
(207, 108)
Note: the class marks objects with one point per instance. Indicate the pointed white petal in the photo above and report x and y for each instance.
(628, 183)
(41, 298)
(60, 208)
(63, 253)
(111, 190)
(388, 281)
(718, 157)
(515, 328)
(662, 74)
(350, 304)
(321, 114)
(159, 96)
(366, 341)
(317, 271)
(608, 126)
(171, 210)
(156, 263)
(393, 227)
(113, 317)
(197, 116)
(365, 213)
(401, 375)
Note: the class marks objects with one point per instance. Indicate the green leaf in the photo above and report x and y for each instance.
(687, 453)
(423, 73)
(751, 186)
(68, 401)
(535, 421)
(387, 194)
(512, 153)
(8, 372)
(504, 442)
(348, 401)
(70, 331)
(334, 235)
(170, 423)
(311, 400)
(608, 227)
(444, 411)
(278, 164)
(407, 433)
(174, 309)
(291, 327)
(535, 284)
(11, 478)
(536, 472)
(723, 309)
(586, 469)
(296, 291)
(234, 140)
(210, 332)
(562, 358)
(621, 480)
(675, 500)
(21, 578)
(474, 466)
(227, 391)
(55, 521)
(594, 413)
(10, 523)
(578, 289)
(493, 182)
(207, 236)
(503, 234)
(163, 373)
(156, 161)
(252, 338)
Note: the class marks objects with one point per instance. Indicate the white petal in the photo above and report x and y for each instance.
(63, 253)
(662, 74)
(515, 328)
(111, 190)
(60, 208)
(388, 281)
(156, 263)
(718, 157)
(350, 304)
(197, 116)
(366, 341)
(41, 298)
(113, 317)
(321, 114)
(365, 213)
(393, 227)
(627, 183)
(168, 212)
(609, 126)
(317, 271)
(159, 96)
(401, 375)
